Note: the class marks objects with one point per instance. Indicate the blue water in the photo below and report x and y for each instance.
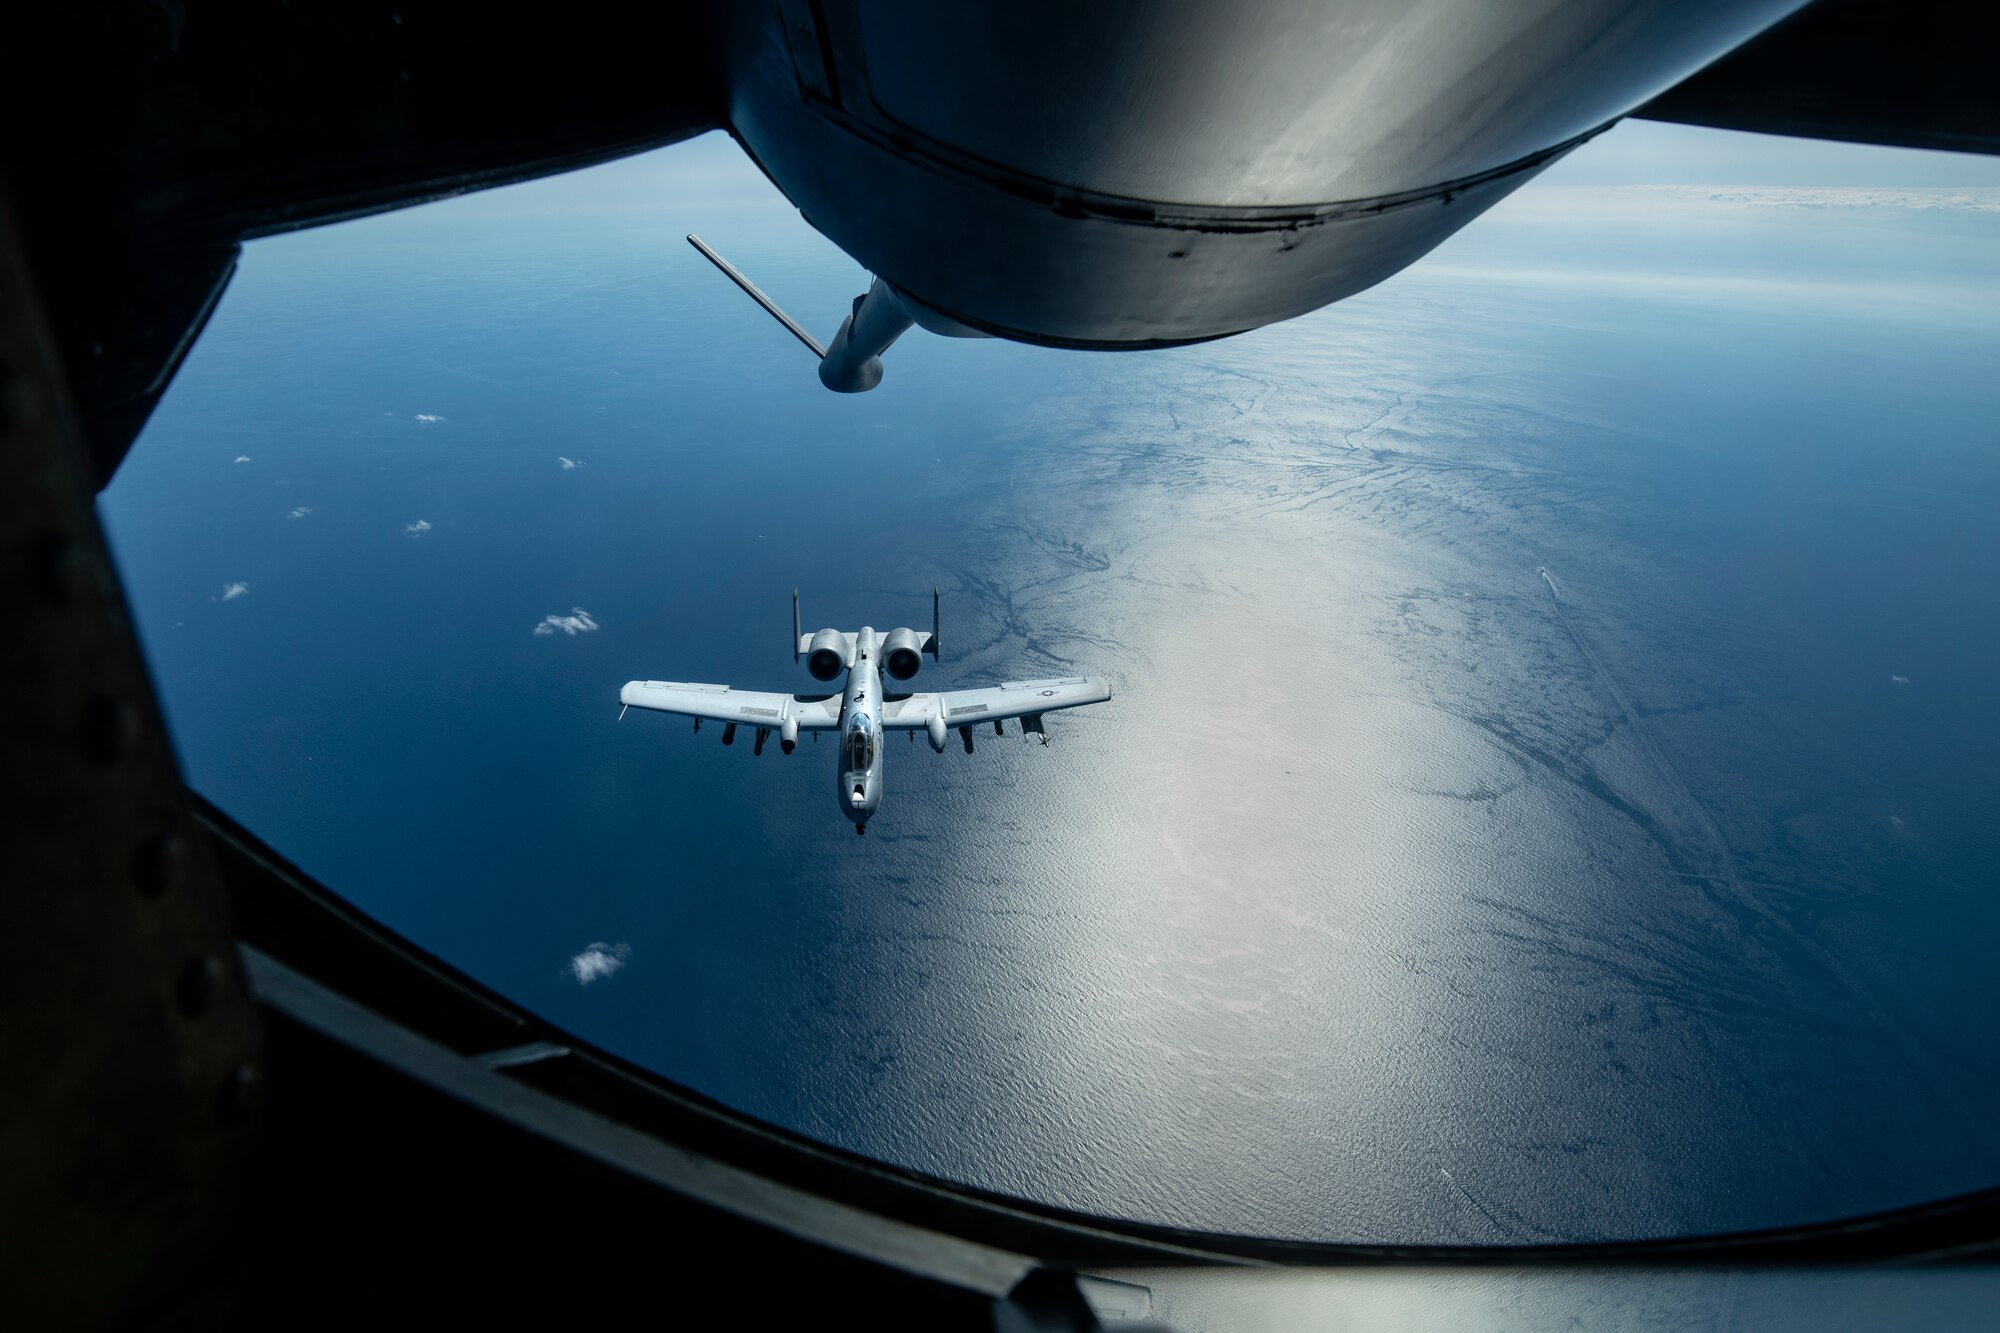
(1403, 892)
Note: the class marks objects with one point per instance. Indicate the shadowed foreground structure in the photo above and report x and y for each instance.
(230, 1100)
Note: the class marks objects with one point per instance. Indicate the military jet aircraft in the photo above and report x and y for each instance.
(868, 707)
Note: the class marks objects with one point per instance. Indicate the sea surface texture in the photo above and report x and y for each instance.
(1549, 792)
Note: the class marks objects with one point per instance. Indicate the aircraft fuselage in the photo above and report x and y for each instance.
(861, 749)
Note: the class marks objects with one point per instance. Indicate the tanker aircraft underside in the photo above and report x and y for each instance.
(868, 707)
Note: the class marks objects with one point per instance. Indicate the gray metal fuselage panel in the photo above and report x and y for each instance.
(861, 750)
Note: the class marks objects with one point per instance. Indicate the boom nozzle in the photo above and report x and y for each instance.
(853, 361)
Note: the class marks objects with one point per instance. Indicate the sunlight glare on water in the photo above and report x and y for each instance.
(1403, 892)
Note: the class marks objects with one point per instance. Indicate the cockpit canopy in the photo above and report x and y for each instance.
(860, 748)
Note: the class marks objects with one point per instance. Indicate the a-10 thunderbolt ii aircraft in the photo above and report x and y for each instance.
(869, 707)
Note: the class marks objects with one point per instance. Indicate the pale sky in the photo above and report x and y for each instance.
(1644, 152)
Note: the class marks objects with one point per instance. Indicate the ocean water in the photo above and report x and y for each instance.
(1548, 794)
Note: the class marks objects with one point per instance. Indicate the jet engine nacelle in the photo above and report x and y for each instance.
(902, 653)
(826, 655)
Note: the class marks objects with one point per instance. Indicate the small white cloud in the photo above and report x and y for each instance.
(242, 458)
(429, 418)
(232, 591)
(1899, 680)
(598, 961)
(418, 528)
(569, 463)
(579, 622)
(300, 512)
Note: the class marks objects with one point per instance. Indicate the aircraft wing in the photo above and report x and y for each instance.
(756, 708)
(1854, 70)
(1017, 698)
